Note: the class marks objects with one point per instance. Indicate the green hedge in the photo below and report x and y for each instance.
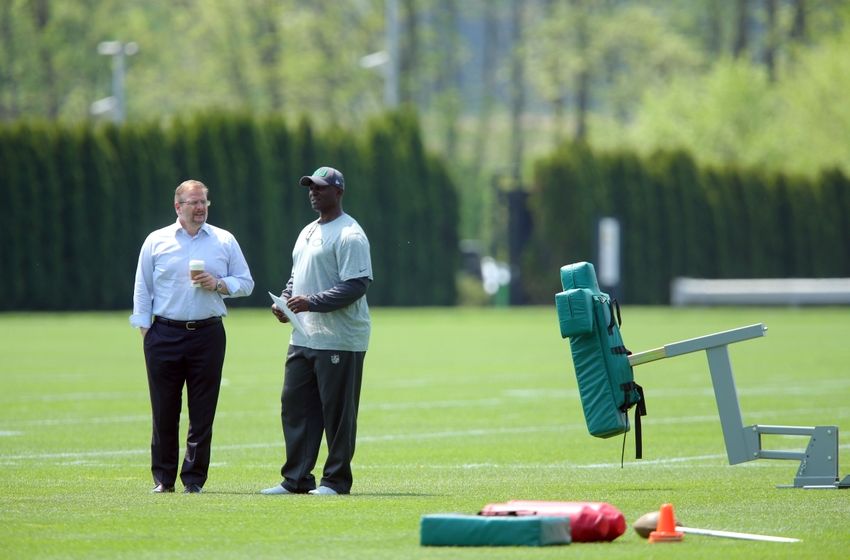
(79, 201)
(678, 219)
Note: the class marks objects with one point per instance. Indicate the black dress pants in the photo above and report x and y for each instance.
(175, 356)
(321, 396)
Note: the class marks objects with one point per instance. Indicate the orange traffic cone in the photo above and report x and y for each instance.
(666, 531)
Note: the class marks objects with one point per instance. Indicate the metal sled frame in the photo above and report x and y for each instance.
(818, 463)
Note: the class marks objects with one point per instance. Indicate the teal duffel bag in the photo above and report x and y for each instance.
(591, 320)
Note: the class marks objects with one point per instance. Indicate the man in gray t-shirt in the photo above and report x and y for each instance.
(331, 271)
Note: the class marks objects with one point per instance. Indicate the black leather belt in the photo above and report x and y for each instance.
(189, 325)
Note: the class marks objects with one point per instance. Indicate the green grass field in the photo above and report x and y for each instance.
(460, 407)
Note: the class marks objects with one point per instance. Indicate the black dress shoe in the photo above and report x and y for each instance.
(192, 489)
(162, 488)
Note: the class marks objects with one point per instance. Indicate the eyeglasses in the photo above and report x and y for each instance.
(196, 203)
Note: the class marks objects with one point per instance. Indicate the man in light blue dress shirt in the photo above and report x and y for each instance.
(180, 319)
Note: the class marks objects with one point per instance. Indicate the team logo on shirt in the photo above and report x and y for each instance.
(334, 359)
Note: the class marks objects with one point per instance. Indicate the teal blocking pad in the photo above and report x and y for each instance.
(575, 311)
(604, 375)
(579, 275)
(451, 529)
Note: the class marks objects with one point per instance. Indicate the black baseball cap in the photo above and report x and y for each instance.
(323, 177)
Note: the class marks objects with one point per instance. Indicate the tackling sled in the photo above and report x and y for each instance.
(606, 385)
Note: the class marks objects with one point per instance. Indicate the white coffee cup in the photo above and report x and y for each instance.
(196, 266)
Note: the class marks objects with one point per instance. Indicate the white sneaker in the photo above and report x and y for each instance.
(323, 491)
(275, 490)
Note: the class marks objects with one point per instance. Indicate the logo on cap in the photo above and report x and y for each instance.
(324, 176)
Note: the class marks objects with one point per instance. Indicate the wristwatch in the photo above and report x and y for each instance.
(219, 286)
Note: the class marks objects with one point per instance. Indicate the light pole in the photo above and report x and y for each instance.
(116, 103)
(387, 59)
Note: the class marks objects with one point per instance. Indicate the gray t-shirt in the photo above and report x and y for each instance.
(325, 255)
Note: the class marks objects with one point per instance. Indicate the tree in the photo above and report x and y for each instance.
(562, 53)
(265, 18)
(742, 26)
(517, 90)
(409, 55)
(41, 20)
(9, 102)
(798, 30)
(447, 101)
(771, 39)
(495, 82)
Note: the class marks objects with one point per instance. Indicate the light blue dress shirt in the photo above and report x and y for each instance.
(163, 287)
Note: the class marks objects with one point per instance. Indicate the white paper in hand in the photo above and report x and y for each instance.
(293, 318)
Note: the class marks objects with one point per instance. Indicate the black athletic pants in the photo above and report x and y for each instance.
(321, 395)
(175, 356)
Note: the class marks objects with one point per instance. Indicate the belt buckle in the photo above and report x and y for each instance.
(190, 325)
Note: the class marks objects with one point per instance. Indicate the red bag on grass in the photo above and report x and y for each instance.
(589, 521)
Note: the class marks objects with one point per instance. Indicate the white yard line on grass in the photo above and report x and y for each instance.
(240, 446)
(714, 458)
(82, 455)
(80, 396)
(15, 426)
(821, 387)
(131, 418)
